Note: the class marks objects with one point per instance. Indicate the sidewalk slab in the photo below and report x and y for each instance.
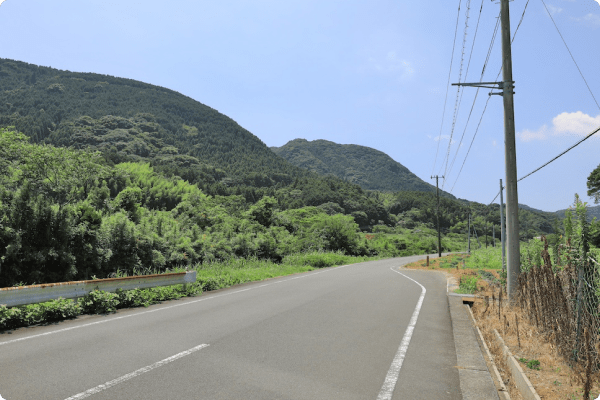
(475, 380)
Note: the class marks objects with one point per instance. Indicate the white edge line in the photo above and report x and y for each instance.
(135, 373)
(173, 306)
(387, 390)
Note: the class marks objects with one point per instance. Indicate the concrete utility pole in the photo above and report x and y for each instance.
(469, 235)
(502, 233)
(438, 214)
(510, 155)
(510, 152)
(486, 231)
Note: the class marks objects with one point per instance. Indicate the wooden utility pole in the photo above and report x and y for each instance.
(437, 187)
(510, 155)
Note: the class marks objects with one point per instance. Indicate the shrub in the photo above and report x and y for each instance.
(99, 302)
(468, 284)
(59, 309)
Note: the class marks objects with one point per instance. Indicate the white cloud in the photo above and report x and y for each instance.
(554, 10)
(528, 135)
(443, 137)
(392, 64)
(1, 1)
(494, 143)
(592, 20)
(564, 124)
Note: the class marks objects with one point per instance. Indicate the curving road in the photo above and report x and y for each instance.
(336, 333)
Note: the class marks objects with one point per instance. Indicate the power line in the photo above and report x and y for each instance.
(457, 103)
(554, 159)
(447, 86)
(491, 202)
(561, 154)
(571, 54)
(463, 92)
(520, 22)
(492, 41)
(476, 93)
(468, 151)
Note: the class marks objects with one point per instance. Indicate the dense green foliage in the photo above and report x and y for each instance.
(131, 121)
(68, 214)
(118, 175)
(65, 214)
(414, 208)
(364, 166)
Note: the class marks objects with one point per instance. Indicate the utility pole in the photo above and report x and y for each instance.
(486, 231)
(510, 155)
(469, 235)
(502, 233)
(493, 235)
(437, 187)
(510, 152)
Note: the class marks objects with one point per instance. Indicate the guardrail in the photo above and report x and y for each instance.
(18, 296)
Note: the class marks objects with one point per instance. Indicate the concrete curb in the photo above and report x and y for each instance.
(476, 382)
(502, 390)
(521, 381)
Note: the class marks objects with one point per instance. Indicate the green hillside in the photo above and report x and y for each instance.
(131, 121)
(134, 121)
(100, 173)
(364, 166)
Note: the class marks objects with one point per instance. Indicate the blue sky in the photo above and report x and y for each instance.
(372, 73)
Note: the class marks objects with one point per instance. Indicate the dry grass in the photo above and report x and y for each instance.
(555, 378)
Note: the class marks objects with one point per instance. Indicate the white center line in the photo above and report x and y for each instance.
(387, 390)
(133, 374)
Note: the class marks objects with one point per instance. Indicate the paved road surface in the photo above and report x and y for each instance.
(335, 333)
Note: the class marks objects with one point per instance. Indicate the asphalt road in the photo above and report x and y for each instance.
(336, 333)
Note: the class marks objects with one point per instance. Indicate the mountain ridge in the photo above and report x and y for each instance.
(369, 168)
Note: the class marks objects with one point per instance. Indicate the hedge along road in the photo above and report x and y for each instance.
(362, 331)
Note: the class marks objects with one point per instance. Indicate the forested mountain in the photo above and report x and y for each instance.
(364, 166)
(592, 212)
(99, 173)
(131, 121)
(134, 121)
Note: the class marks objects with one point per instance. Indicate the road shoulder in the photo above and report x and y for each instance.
(475, 379)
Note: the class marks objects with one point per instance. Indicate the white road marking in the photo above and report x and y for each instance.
(168, 307)
(387, 390)
(135, 373)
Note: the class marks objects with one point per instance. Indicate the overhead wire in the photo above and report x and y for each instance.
(493, 39)
(588, 87)
(447, 86)
(571, 54)
(463, 92)
(486, 103)
(561, 154)
(456, 102)
(589, 135)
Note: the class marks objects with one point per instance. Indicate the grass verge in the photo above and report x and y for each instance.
(210, 276)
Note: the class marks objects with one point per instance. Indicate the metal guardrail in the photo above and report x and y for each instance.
(18, 296)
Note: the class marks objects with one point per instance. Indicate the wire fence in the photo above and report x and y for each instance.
(559, 292)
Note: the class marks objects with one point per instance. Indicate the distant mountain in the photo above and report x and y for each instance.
(364, 166)
(592, 212)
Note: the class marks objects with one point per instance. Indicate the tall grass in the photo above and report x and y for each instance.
(485, 258)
